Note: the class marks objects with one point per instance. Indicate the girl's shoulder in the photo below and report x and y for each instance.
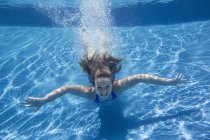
(116, 87)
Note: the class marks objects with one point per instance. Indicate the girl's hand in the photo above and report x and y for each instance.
(176, 80)
(33, 102)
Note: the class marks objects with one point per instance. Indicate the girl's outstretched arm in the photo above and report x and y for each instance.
(82, 91)
(128, 82)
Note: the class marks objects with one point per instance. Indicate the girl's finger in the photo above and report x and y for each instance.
(31, 98)
(28, 100)
(180, 76)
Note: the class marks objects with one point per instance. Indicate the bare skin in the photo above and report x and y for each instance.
(103, 86)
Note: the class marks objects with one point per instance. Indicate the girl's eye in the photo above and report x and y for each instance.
(107, 86)
(98, 87)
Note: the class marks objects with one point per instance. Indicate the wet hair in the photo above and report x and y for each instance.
(103, 73)
(101, 66)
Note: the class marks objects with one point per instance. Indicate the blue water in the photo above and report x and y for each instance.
(37, 58)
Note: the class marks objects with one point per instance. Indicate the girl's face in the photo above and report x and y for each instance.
(103, 86)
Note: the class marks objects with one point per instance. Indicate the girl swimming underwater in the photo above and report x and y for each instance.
(101, 68)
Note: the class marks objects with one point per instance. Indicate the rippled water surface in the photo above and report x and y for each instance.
(75, 3)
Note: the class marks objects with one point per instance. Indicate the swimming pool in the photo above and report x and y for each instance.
(41, 48)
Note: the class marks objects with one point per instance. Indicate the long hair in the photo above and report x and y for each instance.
(105, 66)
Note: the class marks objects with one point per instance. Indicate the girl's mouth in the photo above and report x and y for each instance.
(104, 95)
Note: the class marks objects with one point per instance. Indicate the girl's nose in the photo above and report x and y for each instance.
(104, 90)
